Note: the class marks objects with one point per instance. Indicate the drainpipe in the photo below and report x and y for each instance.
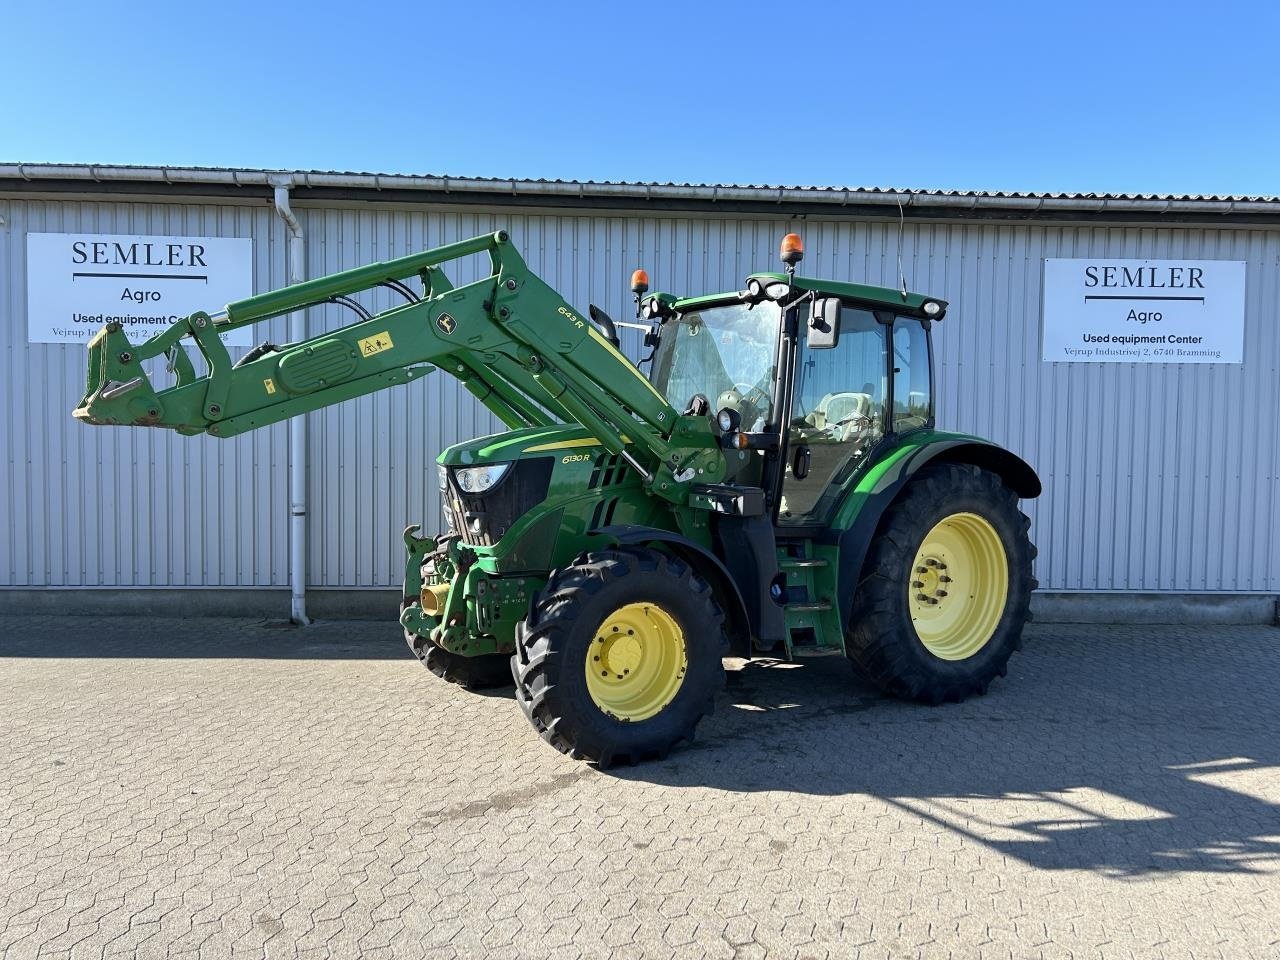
(298, 424)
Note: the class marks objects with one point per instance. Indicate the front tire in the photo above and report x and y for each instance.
(482, 672)
(946, 587)
(620, 656)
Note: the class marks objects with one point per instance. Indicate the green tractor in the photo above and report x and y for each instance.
(773, 484)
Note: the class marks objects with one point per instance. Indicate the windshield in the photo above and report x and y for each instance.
(725, 353)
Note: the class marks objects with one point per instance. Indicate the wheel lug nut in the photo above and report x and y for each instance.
(921, 597)
(940, 593)
(931, 562)
(922, 569)
(944, 579)
(918, 584)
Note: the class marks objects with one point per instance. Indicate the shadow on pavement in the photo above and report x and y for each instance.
(200, 637)
(1129, 751)
(1130, 757)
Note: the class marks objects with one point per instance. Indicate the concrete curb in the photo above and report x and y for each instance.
(372, 604)
(1155, 608)
(378, 604)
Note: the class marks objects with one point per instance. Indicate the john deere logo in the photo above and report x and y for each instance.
(446, 324)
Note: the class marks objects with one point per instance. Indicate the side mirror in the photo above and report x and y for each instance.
(824, 324)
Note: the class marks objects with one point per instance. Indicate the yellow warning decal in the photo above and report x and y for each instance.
(270, 385)
(375, 344)
(565, 445)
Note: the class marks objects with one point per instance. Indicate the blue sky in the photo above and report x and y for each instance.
(1085, 96)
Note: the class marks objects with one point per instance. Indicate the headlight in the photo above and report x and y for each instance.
(754, 289)
(654, 308)
(777, 290)
(442, 472)
(479, 479)
(932, 308)
(728, 419)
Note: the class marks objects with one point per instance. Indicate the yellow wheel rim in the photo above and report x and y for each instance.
(958, 586)
(636, 662)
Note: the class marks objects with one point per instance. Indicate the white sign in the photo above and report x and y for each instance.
(76, 282)
(1144, 311)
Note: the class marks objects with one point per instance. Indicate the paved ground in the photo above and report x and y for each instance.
(228, 788)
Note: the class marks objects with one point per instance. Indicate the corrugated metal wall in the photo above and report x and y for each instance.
(1158, 478)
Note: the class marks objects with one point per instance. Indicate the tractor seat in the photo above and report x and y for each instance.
(838, 408)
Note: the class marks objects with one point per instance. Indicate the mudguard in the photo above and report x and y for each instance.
(858, 516)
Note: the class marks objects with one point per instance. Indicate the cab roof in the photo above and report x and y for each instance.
(875, 298)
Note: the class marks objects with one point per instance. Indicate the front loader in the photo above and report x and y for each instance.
(774, 484)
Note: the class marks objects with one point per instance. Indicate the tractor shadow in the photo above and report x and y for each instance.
(1106, 749)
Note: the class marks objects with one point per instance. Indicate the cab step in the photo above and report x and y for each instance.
(802, 563)
(822, 606)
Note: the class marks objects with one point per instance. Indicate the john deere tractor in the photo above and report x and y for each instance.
(774, 483)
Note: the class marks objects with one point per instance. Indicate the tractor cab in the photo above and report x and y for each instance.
(807, 379)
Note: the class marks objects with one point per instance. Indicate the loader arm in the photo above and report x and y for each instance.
(512, 340)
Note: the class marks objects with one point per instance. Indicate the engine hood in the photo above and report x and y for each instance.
(516, 444)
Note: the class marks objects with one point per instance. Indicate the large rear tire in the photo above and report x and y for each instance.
(620, 656)
(945, 589)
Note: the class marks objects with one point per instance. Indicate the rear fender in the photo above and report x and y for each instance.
(859, 516)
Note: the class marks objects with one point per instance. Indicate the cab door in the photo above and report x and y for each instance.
(838, 414)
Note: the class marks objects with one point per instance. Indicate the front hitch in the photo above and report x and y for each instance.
(416, 549)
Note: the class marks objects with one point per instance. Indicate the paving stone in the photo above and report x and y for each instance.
(228, 788)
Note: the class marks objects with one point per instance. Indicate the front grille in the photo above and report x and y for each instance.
(482, 519)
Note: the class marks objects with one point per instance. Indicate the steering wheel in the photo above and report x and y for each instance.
(857, 423)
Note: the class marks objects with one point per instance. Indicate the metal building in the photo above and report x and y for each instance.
(1160, 478)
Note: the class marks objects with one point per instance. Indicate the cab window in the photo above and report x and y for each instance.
(912, 391)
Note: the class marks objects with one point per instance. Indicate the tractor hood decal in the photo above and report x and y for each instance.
(514, 444)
